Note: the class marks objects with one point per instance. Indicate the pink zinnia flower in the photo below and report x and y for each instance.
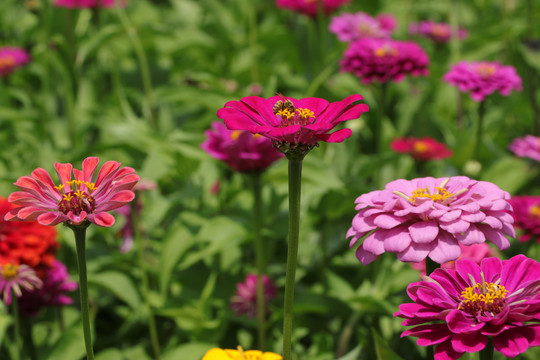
(384, 59)
(430, 217)
(241, 150)
(527, 146)
(82, 4)
(424, 149)
(437, 32)
(309, 7)
(349, 27)
(459, 310)
(12, 58)
(245, 299)
(527, 216)
(15, 278)
(483, 78)
(75, 200)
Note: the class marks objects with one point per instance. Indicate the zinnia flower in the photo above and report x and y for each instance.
(241, 150)
(384, 59)
(437, 32)
(12, 58)
(350, 27)
(483, 78)
(424, 149)
(309, 7)
(240, 354)
(527, 146)
(82, 4)
(527, 216)
(14, 277)
(459, 310)
(245, 299)
(73, 200)
(430, 217)
(292, 123)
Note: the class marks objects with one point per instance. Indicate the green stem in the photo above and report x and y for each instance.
(487, 352)
(346, 334)
(295, 185)
(29, 345)
(479, 129)
(16, 326)
(260, 258)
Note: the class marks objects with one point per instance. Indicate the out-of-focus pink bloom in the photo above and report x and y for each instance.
(244, 301)
(384, 59)
(214, 189)
(56, 283)
(424, 149)
(239, 149)
(15, 278)
(430, 217)
(82, 4)
(11, 58)
(309, 7)
(527, 146)
(483, 78)
(437, 32)
(459, 310)
(73, 201)
(350, 27)
(527, 216)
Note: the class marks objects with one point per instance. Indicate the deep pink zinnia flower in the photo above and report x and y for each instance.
(309, 7)
(437, 32)
(527, 146)
(430, 217)
(12, 58)
(15, 278)
(244, 301)
(459, 310)
(350, 27)
(384, 59)
(73, 201)
(424, 149)
(241, 150)
(82, 4)
(483, 78)
(527, 216)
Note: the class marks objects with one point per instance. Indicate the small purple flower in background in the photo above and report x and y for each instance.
(483, 78)
(437, 32)
(430, 217)
(15, 278)
(83, 4)
(459, 310)
(11, 58)
(350, 27)
(527, 146)
(244, 301)
(241, 150)
(384, 60)
(527, 216)
(309, 7)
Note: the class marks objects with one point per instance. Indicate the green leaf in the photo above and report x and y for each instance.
(192, 351)
(382, 348)
(120, 285)
(352, 355)
(70, 346)
(509, 173)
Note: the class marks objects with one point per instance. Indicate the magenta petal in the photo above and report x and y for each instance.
(51, 218)
(445, 351)
(374, 243)
(335, 137)
(64, 173)
(459, 323)
(469, 342)
(397, 239)
(424, 231)
(102, 219)
(364, 256)
(511, 342)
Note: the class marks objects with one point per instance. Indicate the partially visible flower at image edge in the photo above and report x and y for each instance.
(240, 354)
(309, 7)
(14, 278)
(424, 149)
(437, 32)
(12, 58)
(87, 4)
(244, 301)
(527, 216)
(527, 146)
(349, 27)
(458, 311)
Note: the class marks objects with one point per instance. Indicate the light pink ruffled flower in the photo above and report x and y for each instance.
(15, 278)
(384, 60)
(245, 299)
(458, 311)
(424, 149)
(483, 78)
(73, 201)
(350, 27)
(82, 4)
(309, 7)
(527, 146)
(11, 58)
(527, 216)
(430, 217)
(437, 32)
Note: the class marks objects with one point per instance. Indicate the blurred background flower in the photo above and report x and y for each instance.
(424, 149)
(527, 216)
(244, 301)
(436, 32)
(310, 7)
(527, 146)
(12, 58)
(349, 27)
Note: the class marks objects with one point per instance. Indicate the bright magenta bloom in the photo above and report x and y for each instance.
(527, 216)
(458, 310)
(527, 146)
(245, 299)
(73, 200)
(437, 32)
(241, 150)
(350, 27)
(483, 78)
(11, 58)
(309, 7)
(15, 278)
(384, 59)
(81, 4)
(424, 149)
(430, 217)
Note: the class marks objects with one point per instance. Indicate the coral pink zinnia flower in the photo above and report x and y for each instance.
(527, 216)
(527, 146)
(12, 58)
(309, 7)
(245, 299)
(75, 200)
(421, 149)
(430, 217)
(384, 59)
(240, 354)
(459, 310)
(14, 277)
(239, 149)
(82, 4)
(350, 27)
(437, 32)
(483, 78)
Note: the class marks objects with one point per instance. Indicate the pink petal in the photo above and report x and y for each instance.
(446, 249)
(445, 351)
(51, 218)
(102, 219)
(424, 231)
(64, 174)
(415, 252)
(397, 239)
(494, 236)
(469, 342)
(511, 343)
(335, 137)
(374, 243)
(364, 256)
(89, 165)
(106, 170)
(388, 221)
(471, 236)
(459, 323)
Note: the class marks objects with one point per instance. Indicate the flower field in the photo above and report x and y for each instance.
(266, 180)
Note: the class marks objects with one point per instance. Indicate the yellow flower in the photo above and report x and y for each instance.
(240, 354)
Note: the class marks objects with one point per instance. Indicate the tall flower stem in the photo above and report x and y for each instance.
(479, 129)
(487, 352)
(28, 338)
(295, 185)
(16, 326)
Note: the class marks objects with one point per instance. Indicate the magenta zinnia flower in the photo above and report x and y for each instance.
(527, 146)
(483, 78)
(437, 32)
(527, 216)
(245, 299)
(241, 150)
(384, 59)
(73, 201)
(424, 149)
(309, 7)
(459, 310)
(82, 4)
(350, 27)
(430, 217)
(12, 58)
(15, 278)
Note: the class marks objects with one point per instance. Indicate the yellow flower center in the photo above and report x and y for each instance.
(534, 211)
(236, 134)
(485, 70)
(299, 116)
(420, 146)
(482, 299)
(439, 196)
(7, 62)
(9, 271)
(78, 199)
(385, 51)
